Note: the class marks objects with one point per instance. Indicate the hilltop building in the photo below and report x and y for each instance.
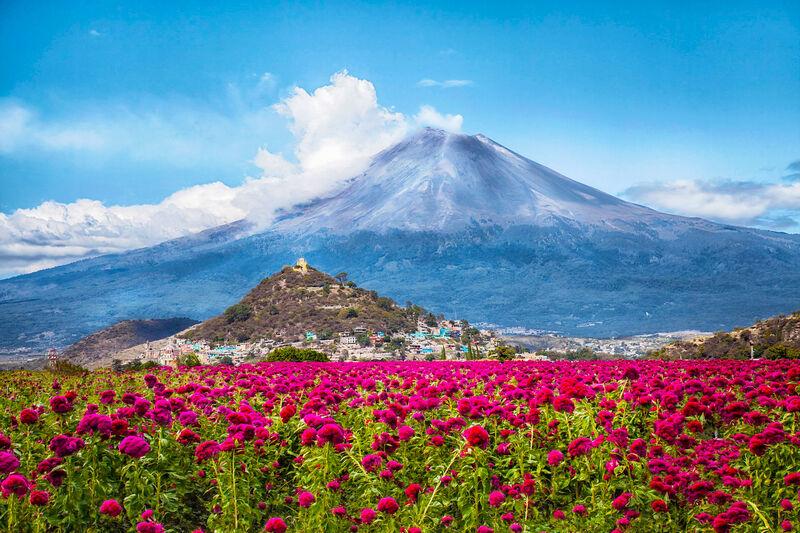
(301, 265)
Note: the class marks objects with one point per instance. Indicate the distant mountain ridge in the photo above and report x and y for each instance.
(458, 224)
(98, 345)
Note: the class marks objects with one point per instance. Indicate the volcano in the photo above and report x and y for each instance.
(445, 182)
(458, 224)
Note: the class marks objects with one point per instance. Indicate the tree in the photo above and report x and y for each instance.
(363, 340)
(117, 366)
(190, 359)
(348, 312)
(226, 360)
(443, 355)
(503, 352)
(781, 351)
(62, 366)
(341, 277)
(385, 303)
(238, 313)
(297, 355)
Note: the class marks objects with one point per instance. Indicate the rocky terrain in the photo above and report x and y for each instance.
(99, 345)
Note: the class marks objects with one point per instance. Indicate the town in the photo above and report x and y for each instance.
(442, 339)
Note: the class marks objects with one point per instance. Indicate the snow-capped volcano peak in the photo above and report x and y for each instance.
(441, 181)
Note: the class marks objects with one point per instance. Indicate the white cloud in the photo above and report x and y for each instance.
(428, 116)
(444, 84)
(744, 202)
(336, 127)
(178, 134)
(20, 128)
(339, 127)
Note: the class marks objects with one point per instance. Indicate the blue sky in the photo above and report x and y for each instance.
(127, 103)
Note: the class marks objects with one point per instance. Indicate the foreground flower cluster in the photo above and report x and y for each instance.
(480, 446)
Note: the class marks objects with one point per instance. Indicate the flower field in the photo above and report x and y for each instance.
(378, 447)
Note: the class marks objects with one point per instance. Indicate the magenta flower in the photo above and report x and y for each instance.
(555, 457)
(275, 525)
(16, 485)
(496, 498)
(110, 508)
(39, 498)
(60, 404)
(330, 433)
(149, 527)
(477, 436)
(134, 446)
(621, 502)
(368, 515)
(8, 462)
(206, 450)
(305, 499)
(579, 446)
(371, 462)
(28, 416)
(388, 505)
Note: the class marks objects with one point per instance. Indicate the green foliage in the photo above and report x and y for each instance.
(581, 354)
(780, 350)
(503, 352)
(297, 355)
(348, 312)
(190, 359)
(363, 339)
(385, 303)
(62, 366)
(238, 313)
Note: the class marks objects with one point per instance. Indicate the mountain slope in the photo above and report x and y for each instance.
(774, 338)
(554, 255)
(291, 302)
(122, 335)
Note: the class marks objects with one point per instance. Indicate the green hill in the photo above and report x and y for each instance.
(773, 338)
(293, 301)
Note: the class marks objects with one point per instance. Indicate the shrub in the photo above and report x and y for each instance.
(190, 359)
(297, 355)
(238, 313)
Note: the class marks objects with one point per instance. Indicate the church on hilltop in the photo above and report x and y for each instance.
(301, 265)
